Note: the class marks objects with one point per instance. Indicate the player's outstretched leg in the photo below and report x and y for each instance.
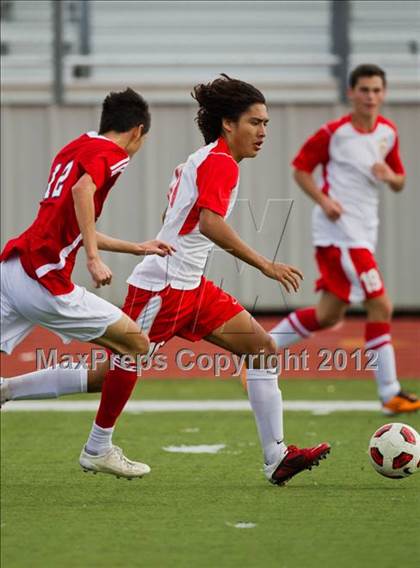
(242, 335)
(378, 339)
(302, 323)
(51, 382)
(99, 455)
(298, 325)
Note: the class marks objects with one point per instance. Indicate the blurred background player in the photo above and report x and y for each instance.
(36, 285)
(359, 153)
(171, 297)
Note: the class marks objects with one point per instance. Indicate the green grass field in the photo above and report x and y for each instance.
(184, 513)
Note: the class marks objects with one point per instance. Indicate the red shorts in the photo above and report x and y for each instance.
(191, 314)
(351, 274)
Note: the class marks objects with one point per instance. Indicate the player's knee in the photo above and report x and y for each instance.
(271, 346)
(263, 344)
(135, 344)
(141, 345)
(388, 309)
(381, 310)
(386, 312)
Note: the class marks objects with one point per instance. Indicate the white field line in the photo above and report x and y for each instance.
(201, 449)
(137, 406)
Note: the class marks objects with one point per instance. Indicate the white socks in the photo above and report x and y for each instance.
(99, 441)
(267, 404)
(48, 383)
(284, 334)
(378, 340)
(386, 373)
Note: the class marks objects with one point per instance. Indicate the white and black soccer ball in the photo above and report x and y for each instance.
(394, 450)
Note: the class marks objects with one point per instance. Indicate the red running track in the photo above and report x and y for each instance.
(336, 353)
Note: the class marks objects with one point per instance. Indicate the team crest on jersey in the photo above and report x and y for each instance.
(383, 147)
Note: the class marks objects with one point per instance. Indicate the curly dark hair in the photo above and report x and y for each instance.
(124, 110)
(366, 70)
(223, 98)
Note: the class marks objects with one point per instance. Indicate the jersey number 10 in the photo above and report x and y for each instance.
(55, 186)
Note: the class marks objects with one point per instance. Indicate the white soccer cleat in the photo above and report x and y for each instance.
(4, 391)
(113, 462)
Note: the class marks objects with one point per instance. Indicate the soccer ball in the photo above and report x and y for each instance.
(394, 450)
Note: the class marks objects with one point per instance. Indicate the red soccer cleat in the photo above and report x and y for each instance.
(295, 461)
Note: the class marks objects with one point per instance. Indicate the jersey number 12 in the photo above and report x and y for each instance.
(55, 185)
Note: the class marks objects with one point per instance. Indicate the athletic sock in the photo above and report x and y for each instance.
(118, 385)
(267, 404)
(378, 339)
(297, 326)
(48, 383)
(99, 441)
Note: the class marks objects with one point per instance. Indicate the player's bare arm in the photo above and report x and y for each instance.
(332, 208)
(215, 228)
(111, 244)
(83, 192)
(383, 172)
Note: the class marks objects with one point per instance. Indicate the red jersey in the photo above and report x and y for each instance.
(47, 249)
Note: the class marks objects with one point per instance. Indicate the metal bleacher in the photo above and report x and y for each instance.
(168, 46)
(26, 48)
(164, 47)
(388, 33)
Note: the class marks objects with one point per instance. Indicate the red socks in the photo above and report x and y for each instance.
(377, 334)
(118, 385)
(304, 321)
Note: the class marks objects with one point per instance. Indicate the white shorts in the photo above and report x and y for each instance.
(25, 303)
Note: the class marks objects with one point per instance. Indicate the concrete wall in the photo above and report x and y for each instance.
(31, 135)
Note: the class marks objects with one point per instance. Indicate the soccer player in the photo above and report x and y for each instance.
(36, 285)
(359, 155)
(171, 297)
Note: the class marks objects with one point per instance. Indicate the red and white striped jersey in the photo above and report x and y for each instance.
(209, 179)
(47, 249)
(347, 156)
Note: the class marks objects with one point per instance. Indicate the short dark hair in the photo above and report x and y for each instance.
(222, 98)
(366, 70)
(123, 111)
